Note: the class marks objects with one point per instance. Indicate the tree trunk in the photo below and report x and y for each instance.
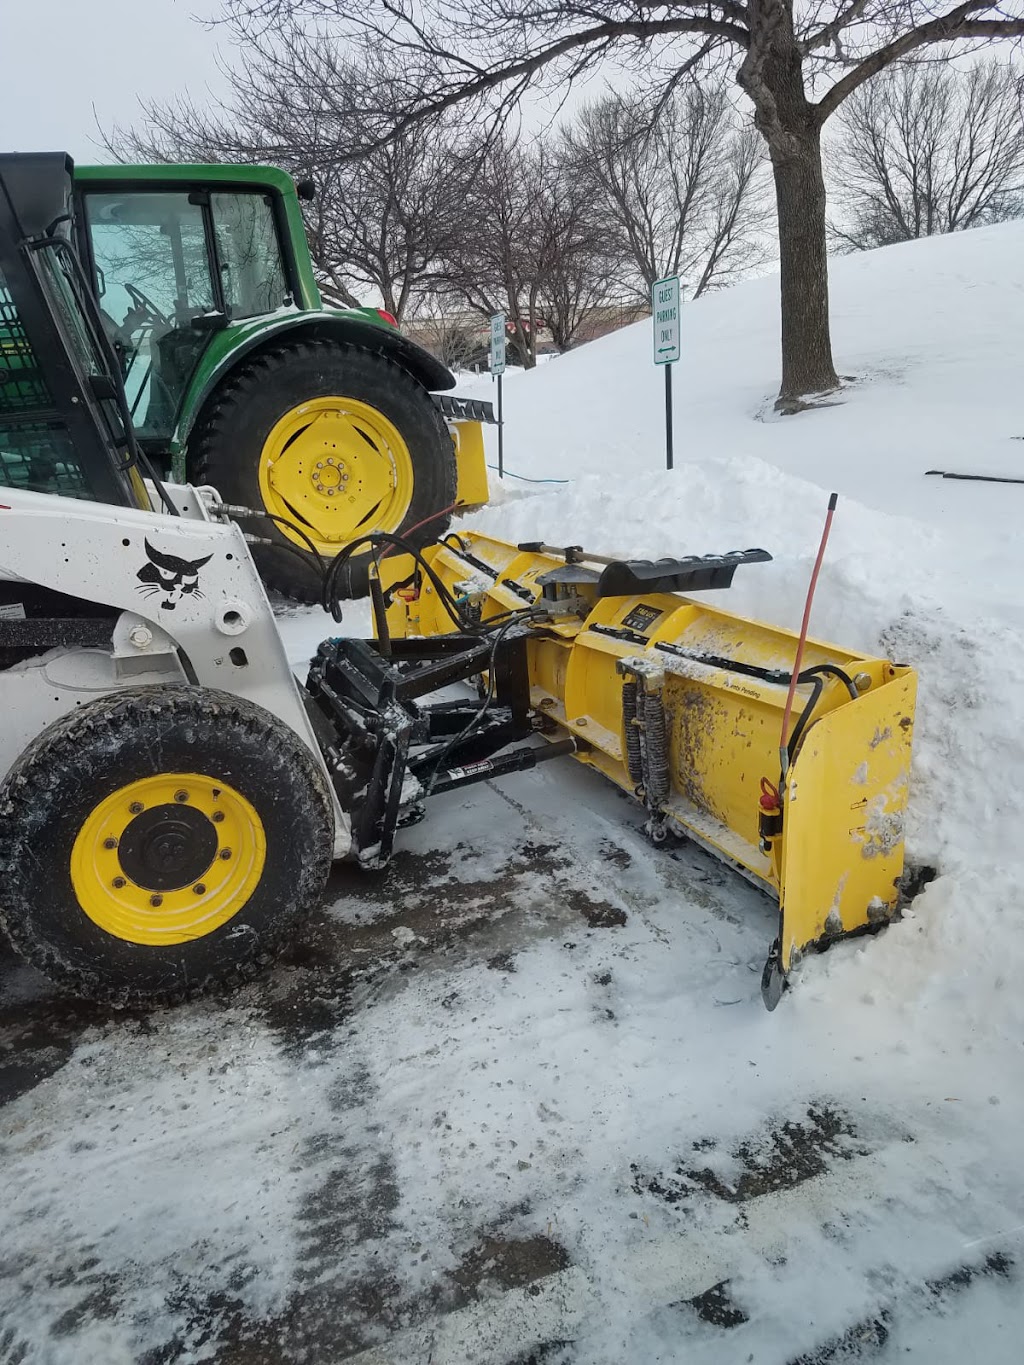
(807, 365)
(772, 75)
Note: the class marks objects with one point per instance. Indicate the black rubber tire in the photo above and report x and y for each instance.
(227, 445)
(83, 757)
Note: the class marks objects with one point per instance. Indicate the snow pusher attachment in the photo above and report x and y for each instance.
(677, 701)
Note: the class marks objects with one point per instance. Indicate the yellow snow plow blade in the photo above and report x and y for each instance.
(681, 704)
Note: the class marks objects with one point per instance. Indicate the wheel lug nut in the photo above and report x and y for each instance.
(225, 853)
(136, 808)
(217, 816)
(110, 843)
(117, 883)
(181, 796)
(199, 889)
(156, 901)
(331, 492)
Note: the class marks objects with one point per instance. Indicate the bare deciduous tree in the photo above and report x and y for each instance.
(383, 208)
(487, 263)
(576, 261)
(442, 324)
(927, 149)
(678, 192)
(527, 245)
(796, 60)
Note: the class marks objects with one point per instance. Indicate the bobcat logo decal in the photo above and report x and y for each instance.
(175, 578)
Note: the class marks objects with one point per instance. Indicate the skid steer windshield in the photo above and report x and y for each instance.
(168, 262)
(38, 451)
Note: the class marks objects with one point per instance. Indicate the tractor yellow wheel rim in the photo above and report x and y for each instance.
(168, 859)
(336, 466)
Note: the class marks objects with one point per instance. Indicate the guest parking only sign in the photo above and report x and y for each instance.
(665, 307)
(665, 316)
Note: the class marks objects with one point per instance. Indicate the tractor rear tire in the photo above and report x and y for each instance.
(160, 842)
(342, 421)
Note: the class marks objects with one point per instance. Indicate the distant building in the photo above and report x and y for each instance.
(462, 338)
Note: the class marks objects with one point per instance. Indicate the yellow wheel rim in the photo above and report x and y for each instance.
(167, 859)
(337, 466)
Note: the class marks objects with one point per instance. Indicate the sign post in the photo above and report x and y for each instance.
(665, 315)
(497, 370)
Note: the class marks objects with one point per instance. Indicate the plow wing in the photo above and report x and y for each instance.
(681, 704)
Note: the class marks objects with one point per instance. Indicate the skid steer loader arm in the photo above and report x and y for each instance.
(680, 703)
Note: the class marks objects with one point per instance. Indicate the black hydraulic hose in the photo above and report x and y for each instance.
(834, 671)
(817, 686)
(279, 545)
(143, 459)
(816, 677)
(380, 615)
(478, 716)
(780, 676)
(372, 538)
(306, 539)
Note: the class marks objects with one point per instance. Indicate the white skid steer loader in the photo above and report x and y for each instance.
(171, 799)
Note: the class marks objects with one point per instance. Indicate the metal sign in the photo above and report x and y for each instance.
(498, 343)
(665, 310)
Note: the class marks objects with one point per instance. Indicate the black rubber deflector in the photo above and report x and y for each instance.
(695, 573)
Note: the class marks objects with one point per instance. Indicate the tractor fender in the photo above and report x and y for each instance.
(247, 342)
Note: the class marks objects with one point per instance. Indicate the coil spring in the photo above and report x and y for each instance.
(634, 754)
(655, 750)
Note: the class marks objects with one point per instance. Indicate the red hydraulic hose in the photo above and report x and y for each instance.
(783, 750)
(434, 516)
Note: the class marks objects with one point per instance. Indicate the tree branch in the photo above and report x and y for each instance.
(526, 67)
(955, 25)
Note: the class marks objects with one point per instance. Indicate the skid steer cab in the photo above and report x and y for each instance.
(323, 422)
(171, 799)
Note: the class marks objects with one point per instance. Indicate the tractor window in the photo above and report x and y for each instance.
(249, 254)
(153, 277)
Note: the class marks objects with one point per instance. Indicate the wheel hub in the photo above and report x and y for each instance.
(336, 466)
(329, 476)
(168, 858)
(167, 847)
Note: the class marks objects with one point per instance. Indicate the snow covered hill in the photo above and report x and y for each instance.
(929, 330)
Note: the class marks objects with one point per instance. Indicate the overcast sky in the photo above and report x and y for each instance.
(63, 59)
(71, 67)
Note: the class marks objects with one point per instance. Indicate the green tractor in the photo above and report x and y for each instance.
(327, 422)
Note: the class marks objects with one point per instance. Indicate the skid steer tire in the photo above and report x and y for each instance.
(161, 842)
(338, 440)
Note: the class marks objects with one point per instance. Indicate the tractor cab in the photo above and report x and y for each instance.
(176, 257)
(64, 427)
